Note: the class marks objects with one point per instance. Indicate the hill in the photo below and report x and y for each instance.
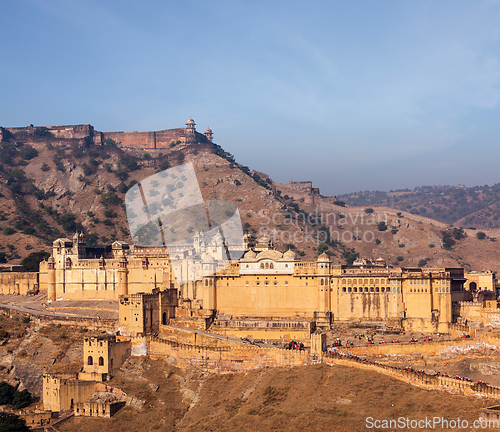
(51, 191)
(313, 398)
(477, 207)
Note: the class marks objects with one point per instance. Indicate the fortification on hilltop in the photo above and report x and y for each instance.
(86, 134)
(302, 191)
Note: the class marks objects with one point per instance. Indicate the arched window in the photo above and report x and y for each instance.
(90, 361)
(271, 265)
(101, 361)
(267, 265)
(261, 265)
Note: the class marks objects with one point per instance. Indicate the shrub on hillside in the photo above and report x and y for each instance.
(32, 262)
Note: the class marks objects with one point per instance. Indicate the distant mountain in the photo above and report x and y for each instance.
(467, 207)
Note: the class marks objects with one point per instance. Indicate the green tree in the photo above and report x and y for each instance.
(110, 199)
(121, 174)
(69, 223)
(458, 233)
(12, 423)
(480, 235)
(6, 393)
(322, 247)
(350, 255)
(382, 226)
(28, 152)
(32, 262)
(368, 210)
(447, 240)
(21, 399)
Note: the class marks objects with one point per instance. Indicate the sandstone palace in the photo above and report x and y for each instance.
(265, 294)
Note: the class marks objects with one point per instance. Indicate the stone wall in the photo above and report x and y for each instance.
(60, 392)
(82, 131)
(235, 357)
(155, 139)
(97, 409)
(424, 349)
(429, 382)
(36, 418)
(85, 134)
(18, 282)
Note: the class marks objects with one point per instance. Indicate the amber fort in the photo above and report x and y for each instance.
(203, 310)
(266, 295)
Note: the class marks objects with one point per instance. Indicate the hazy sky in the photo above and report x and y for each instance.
(353, 95)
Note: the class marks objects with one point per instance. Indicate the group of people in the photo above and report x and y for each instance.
(293, 345)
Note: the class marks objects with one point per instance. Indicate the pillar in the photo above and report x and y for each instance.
(51, 279)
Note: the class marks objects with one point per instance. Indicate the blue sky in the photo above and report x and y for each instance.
(353, 95)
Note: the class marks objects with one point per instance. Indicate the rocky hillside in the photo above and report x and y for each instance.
(477, 206)
(53, 191)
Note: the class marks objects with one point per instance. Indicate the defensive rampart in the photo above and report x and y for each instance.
(235, 357)
(424, 349)
(19, 283)
(429, 382)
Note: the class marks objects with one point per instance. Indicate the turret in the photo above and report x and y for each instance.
(51, 279)
(209, 134)
(123, 277)
(190, 127)
(209, 267)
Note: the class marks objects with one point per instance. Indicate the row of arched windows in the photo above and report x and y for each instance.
(366, 289)
(365, 281)
(90, 361)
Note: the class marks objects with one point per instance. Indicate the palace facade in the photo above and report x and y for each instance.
(265, 288)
